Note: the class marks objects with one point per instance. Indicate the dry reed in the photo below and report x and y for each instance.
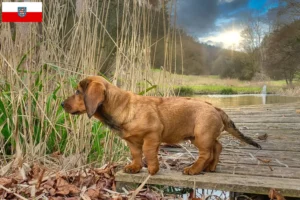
(41, 63)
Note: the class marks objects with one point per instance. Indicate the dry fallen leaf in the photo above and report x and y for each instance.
(263, 137)
(36, 169)
(264, 160)
(52, 191)
(72, 198)
(7, 182)
(64, 188)
(87, 181)
(101, 171)
(49, 184)
(92, 193)
(56, 198)
(117, 197)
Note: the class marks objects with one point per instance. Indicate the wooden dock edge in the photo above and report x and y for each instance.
(216, 181)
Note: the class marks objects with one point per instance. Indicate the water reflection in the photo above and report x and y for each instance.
(264, 98)
(240, 100)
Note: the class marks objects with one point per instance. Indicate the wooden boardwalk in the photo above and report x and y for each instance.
(242, 168)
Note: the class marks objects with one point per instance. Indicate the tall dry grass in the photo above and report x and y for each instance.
(40, 64)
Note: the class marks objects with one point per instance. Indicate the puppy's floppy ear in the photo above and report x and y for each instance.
(94, 96)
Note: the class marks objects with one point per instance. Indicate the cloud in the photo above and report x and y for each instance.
(232, 8)
(213, 43)
(200, 17)
(207, 19)
(197, 17)
(226, 1)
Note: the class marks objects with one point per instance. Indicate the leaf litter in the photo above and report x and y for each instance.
(39, 182)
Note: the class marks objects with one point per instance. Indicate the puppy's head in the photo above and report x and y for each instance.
(89, 95)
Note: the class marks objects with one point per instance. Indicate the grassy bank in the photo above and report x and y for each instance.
(188, 85)
(220, 89)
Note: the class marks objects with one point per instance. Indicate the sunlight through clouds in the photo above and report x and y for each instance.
(227, 39)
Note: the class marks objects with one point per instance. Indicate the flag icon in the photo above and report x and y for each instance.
(22, 12)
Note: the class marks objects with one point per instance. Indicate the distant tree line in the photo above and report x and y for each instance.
(272, 53)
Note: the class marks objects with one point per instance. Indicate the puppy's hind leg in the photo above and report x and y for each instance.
(210, 160)
(204, 143)
(216, 156)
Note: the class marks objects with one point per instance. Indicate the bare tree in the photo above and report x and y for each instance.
(252, 37)
(283, 47)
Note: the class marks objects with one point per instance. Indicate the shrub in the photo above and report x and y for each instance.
(184, 91)
(228, 91)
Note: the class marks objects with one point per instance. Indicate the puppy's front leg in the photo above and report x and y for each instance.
(150, 150)
(136, 152)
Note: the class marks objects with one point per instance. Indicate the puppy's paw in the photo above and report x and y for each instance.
(190, 171)
(153, 169)
(132, 169)
(210, 168)
(207, 169)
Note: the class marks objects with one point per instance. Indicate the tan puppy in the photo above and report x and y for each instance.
(144, 122)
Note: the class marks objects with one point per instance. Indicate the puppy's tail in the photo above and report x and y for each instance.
(233, 130)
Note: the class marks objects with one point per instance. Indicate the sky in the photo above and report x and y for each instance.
(219, 22)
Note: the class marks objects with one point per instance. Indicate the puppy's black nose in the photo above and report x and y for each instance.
(62, 104)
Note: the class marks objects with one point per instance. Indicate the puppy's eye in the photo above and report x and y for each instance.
(77, 92)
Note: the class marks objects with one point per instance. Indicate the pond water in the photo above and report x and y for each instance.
(245, 99)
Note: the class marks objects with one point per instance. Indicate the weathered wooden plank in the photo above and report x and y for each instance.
(217, 181)
(259, 170)
(274, 144)
(274, 105)
(267, 135)
(249, 157)
(256, 152)
(246, 152)
(284, 143)
(273, 138)
(279, 161)
(268, 110)
(258, 119)
(273, 132)
(283, 146)
(261, 114)
(262, 110)
(240, 151)
(267, 106)
(260, 126)
(247, 160)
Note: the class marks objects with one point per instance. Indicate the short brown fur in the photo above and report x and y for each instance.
(145, 122)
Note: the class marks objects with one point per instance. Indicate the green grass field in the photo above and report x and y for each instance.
(217, 89)
(215, 85)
